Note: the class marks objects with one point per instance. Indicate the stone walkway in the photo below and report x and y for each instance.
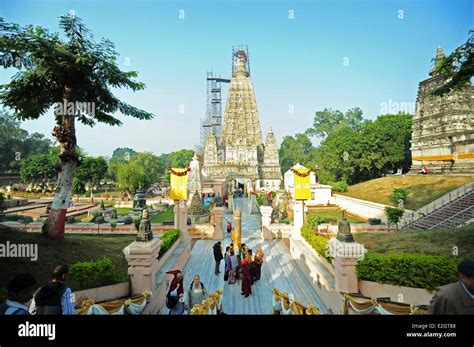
(279, 270)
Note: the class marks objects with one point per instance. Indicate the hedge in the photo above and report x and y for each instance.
(408, 269)
(97, 273)
(318, 242)
(168, 239)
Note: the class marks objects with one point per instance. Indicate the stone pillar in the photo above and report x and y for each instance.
(181, 218)
(230, 203)
(266, 212)
(237, 228)
(298, 219)
(218, 223)
(142, 264)
(346, 256)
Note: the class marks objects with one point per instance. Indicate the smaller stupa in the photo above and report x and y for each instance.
(197, 212)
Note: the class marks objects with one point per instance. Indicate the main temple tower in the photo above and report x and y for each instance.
(239, 156)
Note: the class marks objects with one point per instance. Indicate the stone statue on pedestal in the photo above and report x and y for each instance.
(344, 229)
(144, 231)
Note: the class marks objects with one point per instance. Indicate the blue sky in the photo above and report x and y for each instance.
(336, 54)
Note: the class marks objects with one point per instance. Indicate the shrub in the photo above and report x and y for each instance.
(394, 215)
(312, 219)
(408, 269)
(87, 194)
(70, 220)
(339, 186)
(13, 217)
(398, 194)
(97, 273)
(318, 242)
(113, 225)
(375, 221)
(168, 239)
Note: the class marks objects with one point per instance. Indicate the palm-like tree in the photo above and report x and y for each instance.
(70, 71)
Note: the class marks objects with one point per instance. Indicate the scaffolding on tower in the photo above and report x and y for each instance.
(240, 51)
(213, 119)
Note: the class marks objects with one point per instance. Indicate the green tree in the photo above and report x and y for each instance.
(329, 120)
(458, 67)
(397, 194)
(394, 215)
(386, 143)
(40, 168)
(76, 75)
(140, 172)
(123, 153)
(90, 171)
(16, 144)
(295, 149)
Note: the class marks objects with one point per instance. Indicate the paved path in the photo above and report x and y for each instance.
(279, 270)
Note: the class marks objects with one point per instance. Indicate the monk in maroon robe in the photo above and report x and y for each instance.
(246, 279)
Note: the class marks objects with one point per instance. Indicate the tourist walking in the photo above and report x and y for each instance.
(20, 291)
(217, 256)
(458, 297)
(246, 279)
(258, 264)
(229, 226)
(197, 293)
(55, 298)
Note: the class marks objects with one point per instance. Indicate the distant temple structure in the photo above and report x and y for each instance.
(238, 158)
(443, 128)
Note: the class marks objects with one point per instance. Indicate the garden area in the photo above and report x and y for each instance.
(421, 189)
(93, 260)
(421, 259)
(73, 249)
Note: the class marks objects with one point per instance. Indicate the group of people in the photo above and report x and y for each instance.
(240, 263)
(177, 301)
(54, 298)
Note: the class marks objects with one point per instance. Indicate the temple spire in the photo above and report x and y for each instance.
(438, 60)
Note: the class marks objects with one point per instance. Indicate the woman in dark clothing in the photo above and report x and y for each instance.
(246, 279)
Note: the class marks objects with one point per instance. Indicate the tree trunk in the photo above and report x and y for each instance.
(65, 133)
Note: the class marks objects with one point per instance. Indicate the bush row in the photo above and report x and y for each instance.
(408, 269)
(168, 239)
(318, 242)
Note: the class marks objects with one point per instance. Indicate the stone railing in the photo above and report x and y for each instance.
(409, 218)
(363, 208)
(285, 304)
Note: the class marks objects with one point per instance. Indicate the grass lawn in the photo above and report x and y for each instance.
(433, 242)
(327, 215)
(123, 211)
(167, 216)
(51, 253)
(421, 189)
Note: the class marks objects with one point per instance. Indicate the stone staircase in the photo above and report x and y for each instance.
(455, 213)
